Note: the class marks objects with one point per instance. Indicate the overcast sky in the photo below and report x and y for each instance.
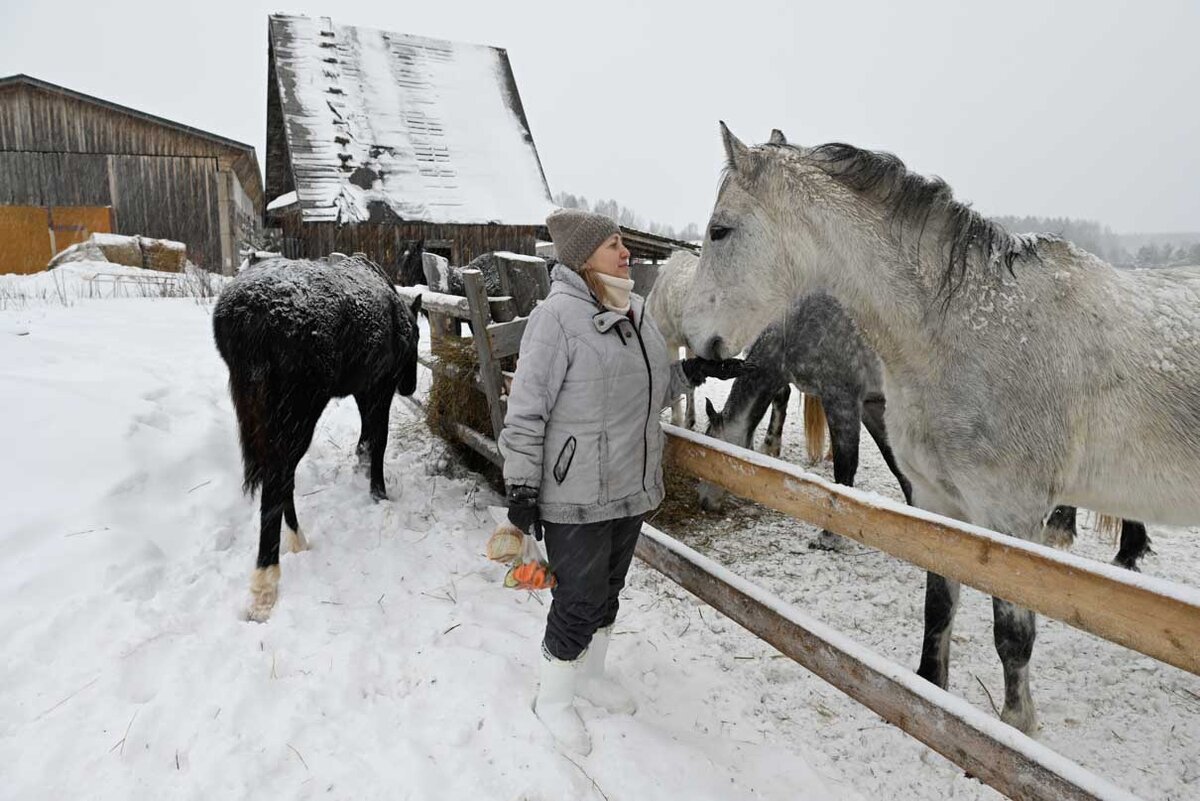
(1080, 109)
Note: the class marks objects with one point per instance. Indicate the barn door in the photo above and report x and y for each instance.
(31, 235)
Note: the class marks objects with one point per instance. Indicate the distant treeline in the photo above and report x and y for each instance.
(628, 217)
(1107, 244)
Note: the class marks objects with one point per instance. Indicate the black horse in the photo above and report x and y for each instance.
(295, 333)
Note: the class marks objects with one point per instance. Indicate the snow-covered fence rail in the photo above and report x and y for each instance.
(998, 755)
(1158, 618)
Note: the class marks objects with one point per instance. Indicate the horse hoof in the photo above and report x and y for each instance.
(264, 591)
(1023, 720)
(296, 541)
(378, 495)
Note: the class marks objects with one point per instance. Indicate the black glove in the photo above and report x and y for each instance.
(697, 369)
(523, 509)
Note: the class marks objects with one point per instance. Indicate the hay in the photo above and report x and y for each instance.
(454, 398)
(680, 509)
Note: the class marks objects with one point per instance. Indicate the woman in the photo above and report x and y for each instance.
(583, 448)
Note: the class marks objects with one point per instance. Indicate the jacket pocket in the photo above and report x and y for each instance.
(603, 467)
(562, 465)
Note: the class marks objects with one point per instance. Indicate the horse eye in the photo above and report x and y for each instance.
(718, 232)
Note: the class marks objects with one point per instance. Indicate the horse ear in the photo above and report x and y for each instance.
(737, 153)
(416, 307)
(777, 137)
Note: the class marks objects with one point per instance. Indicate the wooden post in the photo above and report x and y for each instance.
(524, 278)
(489, 368)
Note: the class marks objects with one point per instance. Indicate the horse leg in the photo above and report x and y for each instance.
(1014, 630)
(773, 442)
(1060, 527)
(844, 427)
(296, 542)
(941, 602)
(1135, 544)
(264, 584)
(873, 410)
(376, 405)
(290, 431)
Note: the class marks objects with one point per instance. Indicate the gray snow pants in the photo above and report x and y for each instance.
(590, 561)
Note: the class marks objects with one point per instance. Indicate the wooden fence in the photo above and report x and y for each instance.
(1154, 617)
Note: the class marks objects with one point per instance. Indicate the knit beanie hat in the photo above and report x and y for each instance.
(577, 234)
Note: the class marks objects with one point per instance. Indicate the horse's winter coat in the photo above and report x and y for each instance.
(1020, 371)
(295, 334)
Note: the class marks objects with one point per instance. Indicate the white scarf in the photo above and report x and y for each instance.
(616, 292)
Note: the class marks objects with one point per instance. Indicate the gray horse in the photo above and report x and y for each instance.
(1021, 372)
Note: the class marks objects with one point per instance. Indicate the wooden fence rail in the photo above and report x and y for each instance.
(993, 752)
(1155, 617)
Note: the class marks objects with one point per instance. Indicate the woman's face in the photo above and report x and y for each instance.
(611, 258)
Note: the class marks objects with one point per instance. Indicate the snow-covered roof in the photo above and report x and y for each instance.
(430, 130)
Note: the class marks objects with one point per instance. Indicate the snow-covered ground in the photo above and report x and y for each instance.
(395, 664)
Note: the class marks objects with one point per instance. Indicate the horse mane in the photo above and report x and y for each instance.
(913, 199)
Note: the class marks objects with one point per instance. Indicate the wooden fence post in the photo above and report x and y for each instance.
(489, 368)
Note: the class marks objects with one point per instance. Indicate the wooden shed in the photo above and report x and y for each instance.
(375, 139)
(72, 165)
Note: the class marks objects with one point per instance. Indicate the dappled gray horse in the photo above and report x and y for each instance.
(1021, 372)
(817, 348)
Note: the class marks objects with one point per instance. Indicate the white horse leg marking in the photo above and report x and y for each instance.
(296, 541)
(264, 591)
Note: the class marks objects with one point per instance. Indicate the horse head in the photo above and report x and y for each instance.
(764, 239)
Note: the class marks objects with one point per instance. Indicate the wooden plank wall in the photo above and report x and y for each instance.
(159, 196)
(384, 243)
(39, 121)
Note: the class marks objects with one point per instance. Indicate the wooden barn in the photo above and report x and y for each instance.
(72, 165)
(375, 139)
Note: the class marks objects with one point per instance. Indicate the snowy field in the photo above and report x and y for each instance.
(395, 664)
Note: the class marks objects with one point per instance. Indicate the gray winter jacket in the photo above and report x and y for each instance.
(583, 415)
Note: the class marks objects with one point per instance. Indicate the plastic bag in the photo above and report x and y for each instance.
(528, 567)
(530, 570)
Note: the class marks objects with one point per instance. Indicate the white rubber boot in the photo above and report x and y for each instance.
(597, 688)
(555, 703)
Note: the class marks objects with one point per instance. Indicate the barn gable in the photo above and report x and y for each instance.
(371, 126)
(72, 165)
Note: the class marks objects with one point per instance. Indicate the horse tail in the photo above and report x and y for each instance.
(248, 388)
(815, 427)
(1108, 527)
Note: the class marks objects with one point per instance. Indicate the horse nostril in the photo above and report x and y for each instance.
(716, 348)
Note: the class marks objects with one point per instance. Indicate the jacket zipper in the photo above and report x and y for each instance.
(637, 329)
